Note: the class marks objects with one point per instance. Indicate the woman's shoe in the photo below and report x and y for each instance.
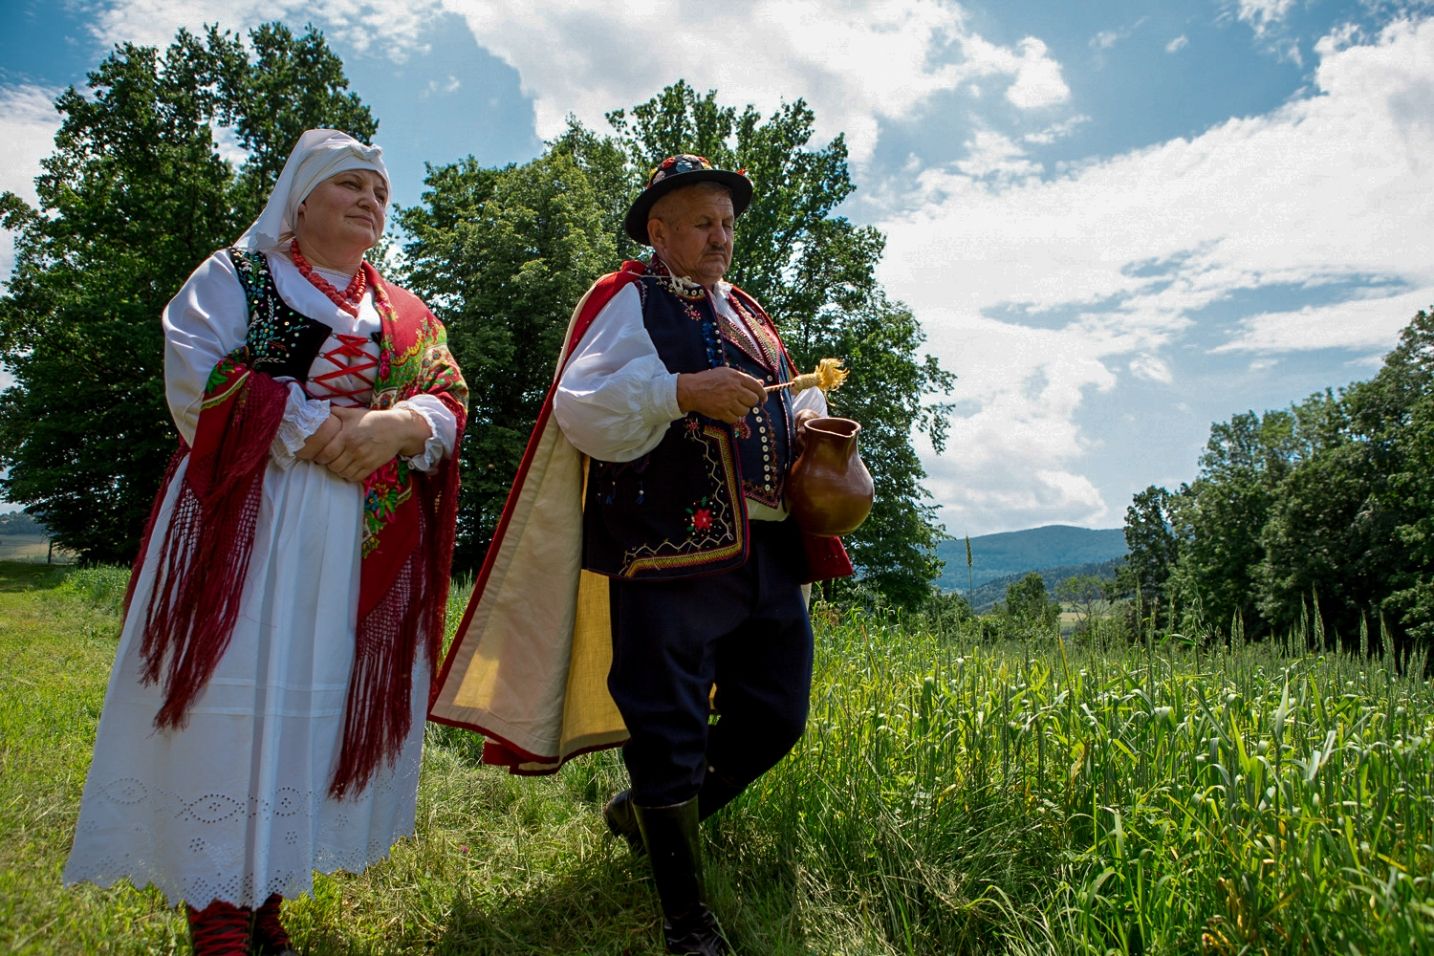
(270, 937)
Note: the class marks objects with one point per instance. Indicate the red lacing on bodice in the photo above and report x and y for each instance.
(349, 358)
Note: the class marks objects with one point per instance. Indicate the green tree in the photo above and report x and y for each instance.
(1152, 548)
(1084, 592)
(1323, 539)
(1028, 605)
(134, 196)
(1411, 598)
(292, 84)
(1394, 411)
(503, 255)
(1320, 513)
(1220, 516)
(881, 340)
(1346, 536)
(792, 251)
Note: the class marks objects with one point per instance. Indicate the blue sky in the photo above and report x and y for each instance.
(1117, 221)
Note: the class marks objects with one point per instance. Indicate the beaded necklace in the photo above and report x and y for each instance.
(349, 299)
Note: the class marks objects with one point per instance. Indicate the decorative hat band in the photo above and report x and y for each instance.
(683, 169)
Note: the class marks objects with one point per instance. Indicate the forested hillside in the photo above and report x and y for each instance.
(1008, 555)
(18, 522)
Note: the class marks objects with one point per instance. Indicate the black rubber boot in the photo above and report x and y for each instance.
(675, 849)
(717, 791)
(622, 820)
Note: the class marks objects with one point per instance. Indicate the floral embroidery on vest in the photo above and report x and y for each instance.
(699, 514)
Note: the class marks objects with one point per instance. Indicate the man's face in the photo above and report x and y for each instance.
(691, 229)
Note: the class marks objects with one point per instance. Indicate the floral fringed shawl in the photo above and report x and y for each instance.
(408, 527)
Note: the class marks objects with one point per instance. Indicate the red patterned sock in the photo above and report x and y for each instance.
(220, 929)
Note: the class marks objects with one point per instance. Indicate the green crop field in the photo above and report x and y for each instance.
(951, 796)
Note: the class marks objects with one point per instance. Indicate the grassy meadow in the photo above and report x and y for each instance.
(951, 796)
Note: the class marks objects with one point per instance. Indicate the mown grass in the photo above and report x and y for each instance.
(950, 797)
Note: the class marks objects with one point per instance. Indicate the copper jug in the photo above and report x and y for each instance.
(829, 490)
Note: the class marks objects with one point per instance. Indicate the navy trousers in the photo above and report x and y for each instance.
(747, 632)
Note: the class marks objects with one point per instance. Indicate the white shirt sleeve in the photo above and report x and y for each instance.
(442, 427)
(204, 322)
(302, 417)
(615, 397)
(810, 398)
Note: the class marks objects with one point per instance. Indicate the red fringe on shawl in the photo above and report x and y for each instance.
(378, 713)
(204, 558)
(179, 455)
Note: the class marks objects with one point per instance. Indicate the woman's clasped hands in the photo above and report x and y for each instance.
(353, 443)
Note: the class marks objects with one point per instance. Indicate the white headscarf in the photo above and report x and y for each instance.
(319, 154)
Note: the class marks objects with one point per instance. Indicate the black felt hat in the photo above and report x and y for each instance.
(674, 172)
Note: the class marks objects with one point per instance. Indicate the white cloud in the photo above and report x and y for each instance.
(1038, 78)
(227, 145)
(1006, 463)
(1372, 323)
(878, 60)
(856, 64)
(1106, 39)
(1261, 15)
(991, 154)
(1056, 131)
(1151, 368)
(1177, 44)
(1034, 289)
(28, 122)
(450, 85)
(392, 27)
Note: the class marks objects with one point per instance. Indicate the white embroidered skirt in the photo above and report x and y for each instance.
(235, 805)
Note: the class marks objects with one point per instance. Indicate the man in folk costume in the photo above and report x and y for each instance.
(265, 714)
(669, 455)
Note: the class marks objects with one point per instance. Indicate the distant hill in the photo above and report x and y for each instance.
(1058, 551)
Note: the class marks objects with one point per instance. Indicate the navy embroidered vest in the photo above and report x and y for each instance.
(681, 509)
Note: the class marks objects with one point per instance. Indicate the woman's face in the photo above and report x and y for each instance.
(343, 214)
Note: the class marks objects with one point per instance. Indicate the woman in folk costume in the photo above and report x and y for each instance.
(265, 714)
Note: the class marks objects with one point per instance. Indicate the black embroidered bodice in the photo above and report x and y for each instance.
(282, 341)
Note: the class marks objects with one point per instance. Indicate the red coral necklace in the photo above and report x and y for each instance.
(349, 299)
